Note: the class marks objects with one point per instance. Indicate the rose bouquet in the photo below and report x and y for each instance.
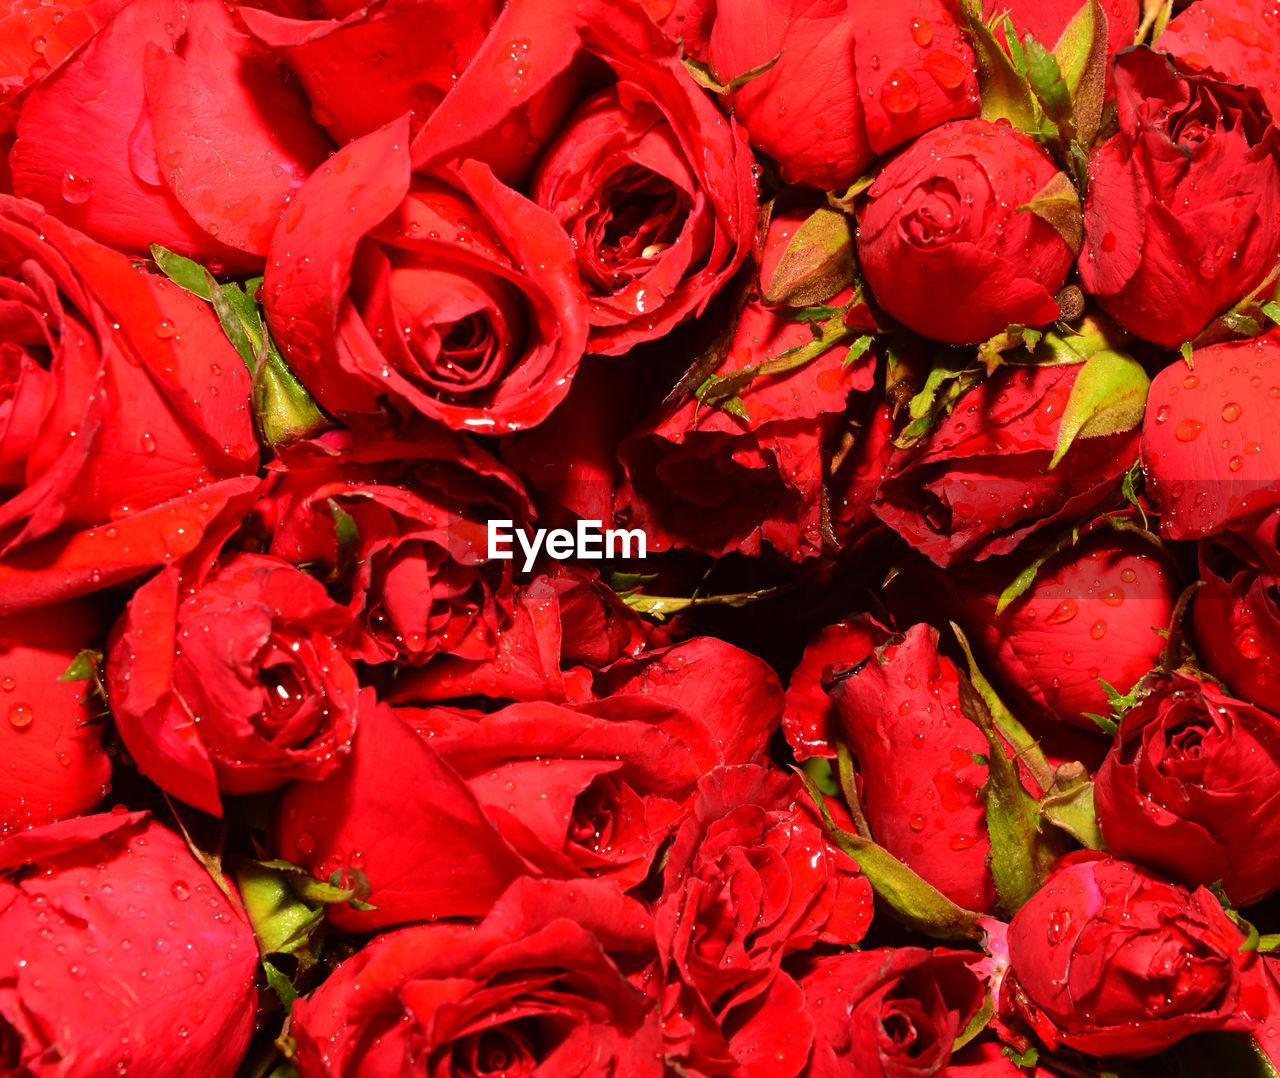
(638, 538)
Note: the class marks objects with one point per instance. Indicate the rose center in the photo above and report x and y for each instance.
(640, 215)
(933, 212)
(508, 1051)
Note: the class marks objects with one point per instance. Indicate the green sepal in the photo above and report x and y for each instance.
(1023, 581)
(912, 900)
(1070, 806)
(1057, 203)
(183, 272)
(817, 263)
(279, 984)
(1082, 55)
(283, 409)
(84, 667)
(1002, 86)
(1109, 395)
(702, 75)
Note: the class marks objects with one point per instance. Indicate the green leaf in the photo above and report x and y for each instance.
(943, 387)
(182, 271)
(980, 1020)
(1272, 310)
(1058, 204)
(279, 984)
(991, 351)
(1003, 88)
(819, 772)
(1155, 17)
(857, 350)
(1029, 1058)
(229, 305)
(281, 920)
(1109, 395)
(84, 667)
(1027, 577)
(703, 76)
(817, 262)
(1186, 351)
(1046, 81)
(661, 607)
(1071, 809)
(911, 899)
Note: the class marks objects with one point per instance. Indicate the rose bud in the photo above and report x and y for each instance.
(232, 679)
(750, 879)
(981, 483)
(891, 1012)
(1237, 625)
(172, 126)
(121, 375)
(1205, 147)
(454, 297)
(943, 241)
(921, 786)
(1110, 960)
(811, 720)
(652, 184)
(364, 67)
(400, 527)
(591, 792)
(717, 481)
(121, 955)
(1189, 789)
(1095, 612)
(565, 626)
(534, 989)
(1237, 40)
(47, 719)
(844, 86)
(1208, 449)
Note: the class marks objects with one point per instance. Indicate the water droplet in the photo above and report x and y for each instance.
(20, 716)
(1098, 630)
(917, 822)
(1235, 463)
(900, 93)
(305, 843)
(7, 683)
(1112, 596)
(165, 329)
(962, 842)
(1129, 576)
(1056, 926)
(1063, 612)
(75, 189)
(1188, 430)
(921, 32)
(1162, 414)
(180, 890)
(1230, 412)
(148, 443)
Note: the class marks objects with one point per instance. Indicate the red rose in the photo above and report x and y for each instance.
(890, 1013)
(121, 955)
(1110, 960)
(1190, 789)
(811, 719)
(396, 811)
(847, 82)
(1182, 217)
(1207, 447)
(921, 787)
(942, 242)
(144, 138)
(652, 184)
(1094, 611)
(399, 526)
(1237, 626)
(980, 484)
(726, 703)
(48, 733)
(363, 67)
(565, 626)
(232, 679)
(592, 791)
(534, 989)
(121, 375)
(750, 879)
(1238, 40)
(451, 296)
(714, 481)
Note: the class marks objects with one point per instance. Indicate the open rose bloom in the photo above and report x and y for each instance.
(640, 539)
